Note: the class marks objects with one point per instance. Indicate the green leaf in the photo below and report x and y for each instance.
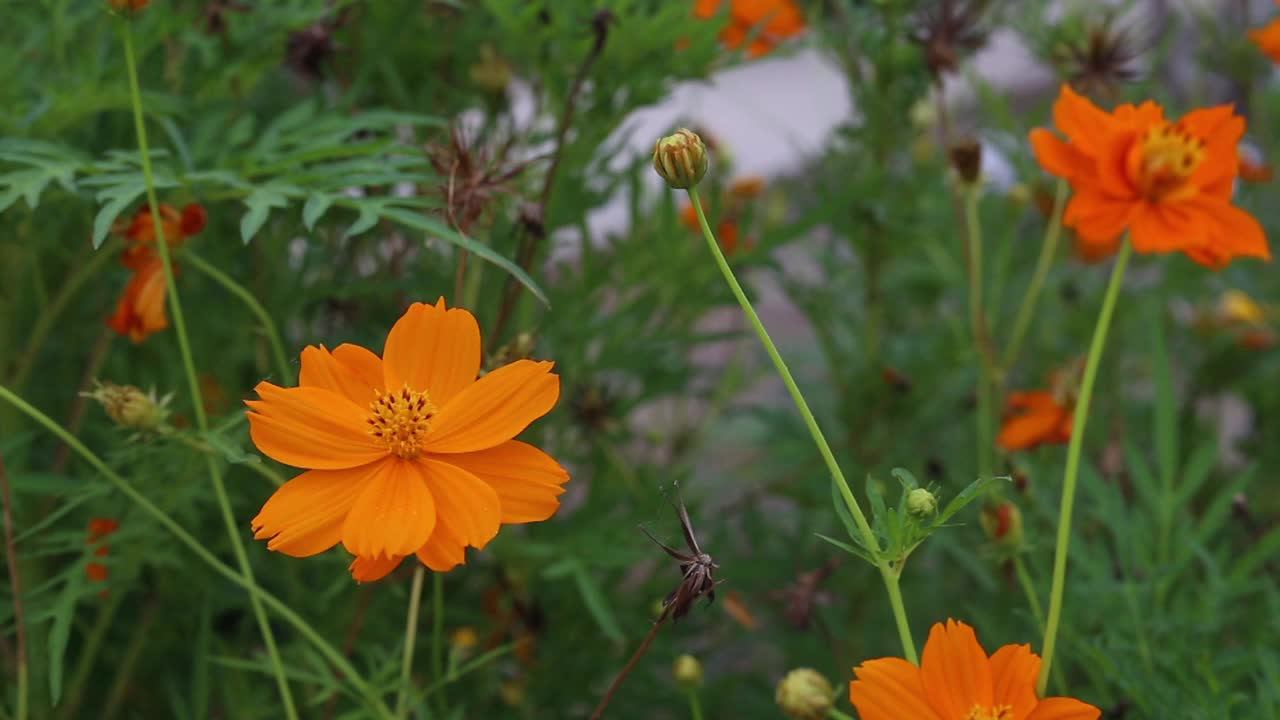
(260, 202)
(108, 213)
(965, 496)
(368, 218)
(597, 604)
(842, 512)
(434, 227)
(316, 206)
(64, 611)
(847, 548)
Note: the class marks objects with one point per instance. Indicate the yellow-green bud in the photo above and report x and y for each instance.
(688, 672)
(804, 694)
(921, 503)
(130, 407)
(681, 159)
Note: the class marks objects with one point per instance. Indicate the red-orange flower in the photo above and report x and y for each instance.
(140, 230)
(1041, 417)
(772, 21)
(726, 229)
(407, 454)
(1267, 38)
(1168, 184)
(99, 529)
(128, 5)
(957, 680)
(140, 311)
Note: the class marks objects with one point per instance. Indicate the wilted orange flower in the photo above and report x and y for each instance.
(140, 311)
(99, 529)
(407, 454)
(776, 21)
(1168, 184)
(956, 680)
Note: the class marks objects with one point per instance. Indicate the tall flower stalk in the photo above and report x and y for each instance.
(197, 403)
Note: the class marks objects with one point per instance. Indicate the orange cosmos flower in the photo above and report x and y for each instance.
(140, 311)
(726, 229)
(1035, 418)
(407, 454)
(1267, 38)
(99, 529)
(140, 230)
(956, 680)
(1168, 184)
(777, 20)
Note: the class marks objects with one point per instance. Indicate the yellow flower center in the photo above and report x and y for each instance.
(999, 712)
(401, 420)
(1167, 156)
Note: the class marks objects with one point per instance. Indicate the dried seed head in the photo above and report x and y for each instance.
(130, 407)
(680, 159)
(950, 31)
(922, 503)
(1098, 58)
(688, 672)
(804, 694)
(966, 158)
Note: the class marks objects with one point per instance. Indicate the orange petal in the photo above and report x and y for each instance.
(1056, 708)
(309, 427)
(1014, 669)
(495, 408)
(369, 569)
(433, 349)
(527, 480)
(955, 670)
(889, 689)
(468, 513)
(1237, 233)
(304, 517)
(1097, 216)
(1059, 158)
(1084, 123)
(1026, 431)
(349, 378)
(394, 514)
(1167, 227)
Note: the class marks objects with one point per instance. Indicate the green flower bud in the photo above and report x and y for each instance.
(129, 407)
(804, 694)
(921, 503)
(688, 672)
(681, 159)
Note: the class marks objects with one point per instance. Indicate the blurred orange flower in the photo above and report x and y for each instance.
(99, 529)
(1034, 418)
(956, 679)
(140, 311)
(407, 454)
(1267, 38)
(728, 234)
(1168, 184)
(726, 229)
(128, 5)
(776, 21)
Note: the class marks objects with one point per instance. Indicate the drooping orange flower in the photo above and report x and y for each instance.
(1035, 418)
(776, 20)
(140, 311)
(1168, 184)
(957, 680)
(407, 454)
(99, 529)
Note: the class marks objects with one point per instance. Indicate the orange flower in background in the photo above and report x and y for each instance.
(957, 680)
(726, 229)
(1168, 184)
(99, 529)
(140, 311)
(772, 21)
(1267, 38)
(140, 230)
(407, 454)
(128, 5)
(1035, 418)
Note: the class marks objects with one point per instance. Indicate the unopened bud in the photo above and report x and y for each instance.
(804, 694)
(130, 407)
(491, 74)
(688, 672)
(921, 503)
(966, 158)
(1003, 524)
(681, 159)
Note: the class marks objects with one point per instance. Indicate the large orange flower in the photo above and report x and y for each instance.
(407, 454)
(956, 680)
(1168, 184)
(777, 20)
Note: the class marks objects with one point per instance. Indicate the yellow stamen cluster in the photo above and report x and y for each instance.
(1000, 712)
(401, 420)
(1168, 156)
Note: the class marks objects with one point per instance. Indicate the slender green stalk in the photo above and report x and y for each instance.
(240, 291)
(695, 705)
(126, 666)
(1048, 250)
(1029, 589)
(888, 574)
(1073, 461)
(197, 402)
(410, 638)
(280, 608)
(835, 714)
(437, 633)
(977, 321)
(259, 467)
(75, 690)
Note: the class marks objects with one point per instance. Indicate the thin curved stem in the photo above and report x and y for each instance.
(193, 382)
(437, 634)
(626, 669)
(410, 638)
(255, 307)
(1048, 250)
(835, 714)
(977, 321)
(864, 528)
(1074, 450)
(280, 608)
(1029, 589)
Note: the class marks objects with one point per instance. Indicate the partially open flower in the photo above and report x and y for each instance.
(680, 159)
(130, 407)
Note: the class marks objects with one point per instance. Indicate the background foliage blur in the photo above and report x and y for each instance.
(345, 151)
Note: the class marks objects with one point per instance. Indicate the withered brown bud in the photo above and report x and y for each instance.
(966, 158)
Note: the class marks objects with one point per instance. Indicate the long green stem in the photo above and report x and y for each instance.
(280, 608)
(1048, 250)
(977, 321)
(1029, 589)
(695, 705)
(410, 638)
(268, 325)
(1073, 461)
(88, 652)
(888, 574)
(835, 714)
(197, 402)
(437, 635)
